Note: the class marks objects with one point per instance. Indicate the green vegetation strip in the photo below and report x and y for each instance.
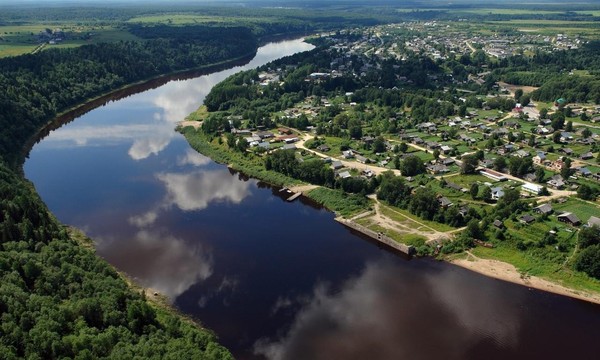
(343, 204)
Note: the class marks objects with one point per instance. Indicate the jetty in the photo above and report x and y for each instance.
(294, 196)
(378, 236)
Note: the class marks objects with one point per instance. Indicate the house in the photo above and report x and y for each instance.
(556, 183)
(556, 165)
(567, 151)
(497, 193)
(593, 221)
(586, 156)
(264, 134)
(544, 209)
(284, 131)
(529, 177)
(361, 159)
(323, 148)
(569, 218)
(348, 154)
(539, 159)
(417, 141)
(498, 224)
(288, 147)
(565, 136)
(494, 175)
(455, 186)
(526, 219)
(522, 153)
(445, 149)
(336, 165)
(437, 169)
(344, 174)
(264, 145)
(444, 202)
(432, 145)
(583, 171)
(532, 188)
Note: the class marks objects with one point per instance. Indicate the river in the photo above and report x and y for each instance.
(273, 279)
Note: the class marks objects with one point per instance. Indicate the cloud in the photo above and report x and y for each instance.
(159, 261)
(144, 220)
(381, 314)
(195, 191)
(192, 157)
(143, 148)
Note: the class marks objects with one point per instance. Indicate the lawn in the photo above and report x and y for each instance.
(402, 216)
(582, 209)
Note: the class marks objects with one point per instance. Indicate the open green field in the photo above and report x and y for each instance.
(181, 19)
(22, 39)
(582, 209)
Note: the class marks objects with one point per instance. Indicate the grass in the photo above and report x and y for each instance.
(582, 209)
(402, 238)
(343, 204)
(401, 215)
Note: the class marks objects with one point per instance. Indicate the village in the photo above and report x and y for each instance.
(404, 106)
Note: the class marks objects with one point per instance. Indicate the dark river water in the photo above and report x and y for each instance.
(273, 279)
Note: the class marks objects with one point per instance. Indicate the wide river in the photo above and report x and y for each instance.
(273, 279)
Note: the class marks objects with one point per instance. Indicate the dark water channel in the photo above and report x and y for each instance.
(275, 279)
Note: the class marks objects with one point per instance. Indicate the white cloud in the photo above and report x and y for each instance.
(382, 314)
(192, 157)
(196, 190)
(159, 261)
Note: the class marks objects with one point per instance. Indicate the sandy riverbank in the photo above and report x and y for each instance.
(507, 272)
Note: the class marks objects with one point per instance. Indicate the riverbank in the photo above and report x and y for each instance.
(340, 204)
(90, 104)
(507, 272)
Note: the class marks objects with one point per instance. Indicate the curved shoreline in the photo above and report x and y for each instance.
(88, 105)
(507, 272)
(491, 268)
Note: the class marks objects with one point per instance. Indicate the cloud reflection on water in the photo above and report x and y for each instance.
(160, 261)
(364, 320)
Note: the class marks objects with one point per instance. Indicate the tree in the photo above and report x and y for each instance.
(518, 94)
(424, 203)
(565, 170)
(436, 154)
(540, 174)
(412, 165)
(486, 194)
(379, 145)
(589, 236)
(469, 164)
(569, 126)
(585, 192)
(242, 145)
(499, 163)
(531, 141)
(474, 191)
(403, 147)
(586, 133)
(473, 230)
(543, 113)
(556, 137)
(588, 261)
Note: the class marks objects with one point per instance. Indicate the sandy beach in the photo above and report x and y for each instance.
(507, 272)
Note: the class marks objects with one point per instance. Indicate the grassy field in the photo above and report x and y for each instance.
(582, 209)
(404, 216)
(18, 40)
